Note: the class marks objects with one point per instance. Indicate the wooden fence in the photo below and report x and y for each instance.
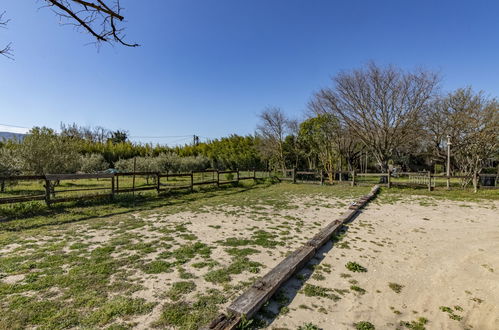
(55, 188)
(409, 179)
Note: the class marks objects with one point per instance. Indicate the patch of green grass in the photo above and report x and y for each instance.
(355, 267)
(179, 289)
(311, 290)
(419, 324)
(357, 289)
(189, 316)
(451, 313)
(156, 267)
(241, 252)
(308, 326)
(364, 325)
(118, 307)
(218, 276)
(397, 288)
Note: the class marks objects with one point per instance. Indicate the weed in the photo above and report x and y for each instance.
(397, 288)
(364, 325)
(355, 267)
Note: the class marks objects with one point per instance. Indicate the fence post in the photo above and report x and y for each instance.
(322, 176)
(158, 184)
(429, 180)
(192, 181)
(293, 173)
(389, 179)
(218, 179)
(353, 178)
(112, 187)
(254, 174)
(47, 192)
(448, 182)
(237, 173)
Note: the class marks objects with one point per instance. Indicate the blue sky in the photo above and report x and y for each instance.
(208, 67)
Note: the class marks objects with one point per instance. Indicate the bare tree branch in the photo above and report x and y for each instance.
(7, 50)
(97, 18)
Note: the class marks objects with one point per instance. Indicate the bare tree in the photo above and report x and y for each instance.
(6, 50)
(272, 129)
(471, 120)
(381, 105)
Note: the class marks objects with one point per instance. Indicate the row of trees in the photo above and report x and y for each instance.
(397, 117)
(390, 116)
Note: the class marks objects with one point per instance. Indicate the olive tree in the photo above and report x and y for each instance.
(10, 164)
(93, 163)
(42, 151)
(382, 106)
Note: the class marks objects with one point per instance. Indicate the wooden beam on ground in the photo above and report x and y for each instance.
(247, 304)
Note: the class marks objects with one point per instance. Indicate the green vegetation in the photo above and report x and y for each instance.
(419, 324)
(451, 313)
(364, 325)
(355, 267)
(311, 290)
(397, 288)
(308, 326)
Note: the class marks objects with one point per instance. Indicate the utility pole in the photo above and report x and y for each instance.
(195, 140)
(448, 161)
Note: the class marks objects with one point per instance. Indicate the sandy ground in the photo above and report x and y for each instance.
(443, 253)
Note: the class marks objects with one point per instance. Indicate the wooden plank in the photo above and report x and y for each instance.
(204, 182)
(8, 200)
(227, 172)
(55, 177)
(136, 189)
(173, 175)
(258, 294)
(252, 300)
(22, 177)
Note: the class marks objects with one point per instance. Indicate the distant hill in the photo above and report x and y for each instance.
(10, 136)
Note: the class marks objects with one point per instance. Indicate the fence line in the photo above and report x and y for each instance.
(414, 179)
(116, 184)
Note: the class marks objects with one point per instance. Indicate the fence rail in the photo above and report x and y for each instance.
(55, 188)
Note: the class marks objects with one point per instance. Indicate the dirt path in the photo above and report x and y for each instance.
(442, 257)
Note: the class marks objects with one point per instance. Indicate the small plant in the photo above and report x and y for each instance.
(451, 313)
(357, 289)
(355, 267)
(364, 325)
(308, 326)
(419, 324)
(397, 288)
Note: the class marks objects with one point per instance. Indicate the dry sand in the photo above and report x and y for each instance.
(442, 253)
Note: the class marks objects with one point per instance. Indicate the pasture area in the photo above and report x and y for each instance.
(167, 261)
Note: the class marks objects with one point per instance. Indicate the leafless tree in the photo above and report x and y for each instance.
(6, 50)
(382, 106)
(471, 120)
(272, 129)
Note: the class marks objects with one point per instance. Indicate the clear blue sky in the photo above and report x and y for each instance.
(208, 67)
